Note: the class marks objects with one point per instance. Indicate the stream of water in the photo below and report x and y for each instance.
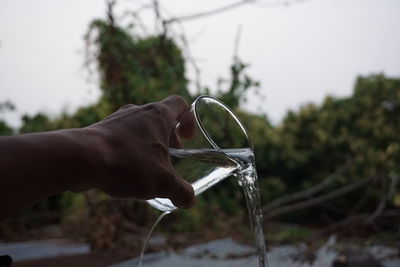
(249, 183)
(240, 164)
(149, 234)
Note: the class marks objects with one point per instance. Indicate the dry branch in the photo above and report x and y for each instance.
(318, 200)
(230, 7)
(382, 205)
(209, 12)
(308, 192)
(236, 45)
(358, 220)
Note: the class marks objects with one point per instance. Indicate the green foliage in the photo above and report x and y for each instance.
(240, 82)
(271, 188)
(136, 69)
(289, 233)
(6, 129)
(315, 141)
(35, 123)
(74, 207)
(6, 106)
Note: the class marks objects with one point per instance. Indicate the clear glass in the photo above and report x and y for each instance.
(220, 147)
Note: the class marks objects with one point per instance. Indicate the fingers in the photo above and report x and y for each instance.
(183, 197)
(187, 125)
(179, 191)
(174, 141)
(176, 105)
(180, 111)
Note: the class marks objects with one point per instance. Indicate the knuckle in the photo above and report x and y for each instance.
(159, 109)
(127, 106)
(161, 117)
(180, 100)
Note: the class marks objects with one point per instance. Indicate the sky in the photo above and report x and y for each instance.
(299, 53)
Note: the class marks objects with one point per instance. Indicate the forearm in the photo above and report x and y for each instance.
(35, 166)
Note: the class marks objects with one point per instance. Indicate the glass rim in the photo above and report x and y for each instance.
(229, 110)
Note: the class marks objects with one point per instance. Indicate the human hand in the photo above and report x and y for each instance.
(133, 143)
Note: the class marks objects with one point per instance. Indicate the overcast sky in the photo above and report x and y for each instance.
(300, 53)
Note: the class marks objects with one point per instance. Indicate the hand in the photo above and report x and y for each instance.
(125, 155)
(133, 145)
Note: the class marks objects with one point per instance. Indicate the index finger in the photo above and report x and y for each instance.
(176, 105)
(180, 111)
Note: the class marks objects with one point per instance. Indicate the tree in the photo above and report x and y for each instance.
(136, 69)
(6, 129)
(317, 140)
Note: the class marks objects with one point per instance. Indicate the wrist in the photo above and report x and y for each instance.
(88, 162)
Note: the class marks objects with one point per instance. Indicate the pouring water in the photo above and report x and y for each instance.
(241, 165)
(220, 148)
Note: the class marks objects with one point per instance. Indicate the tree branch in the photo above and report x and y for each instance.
(358, 219)
(320, 199)
(110, 13)
(382, 205)
(159, 18)
(310, 191)
(230, 7)
(237, 40)
(209, 12)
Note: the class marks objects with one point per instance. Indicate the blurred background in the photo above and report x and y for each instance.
(317, 84)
